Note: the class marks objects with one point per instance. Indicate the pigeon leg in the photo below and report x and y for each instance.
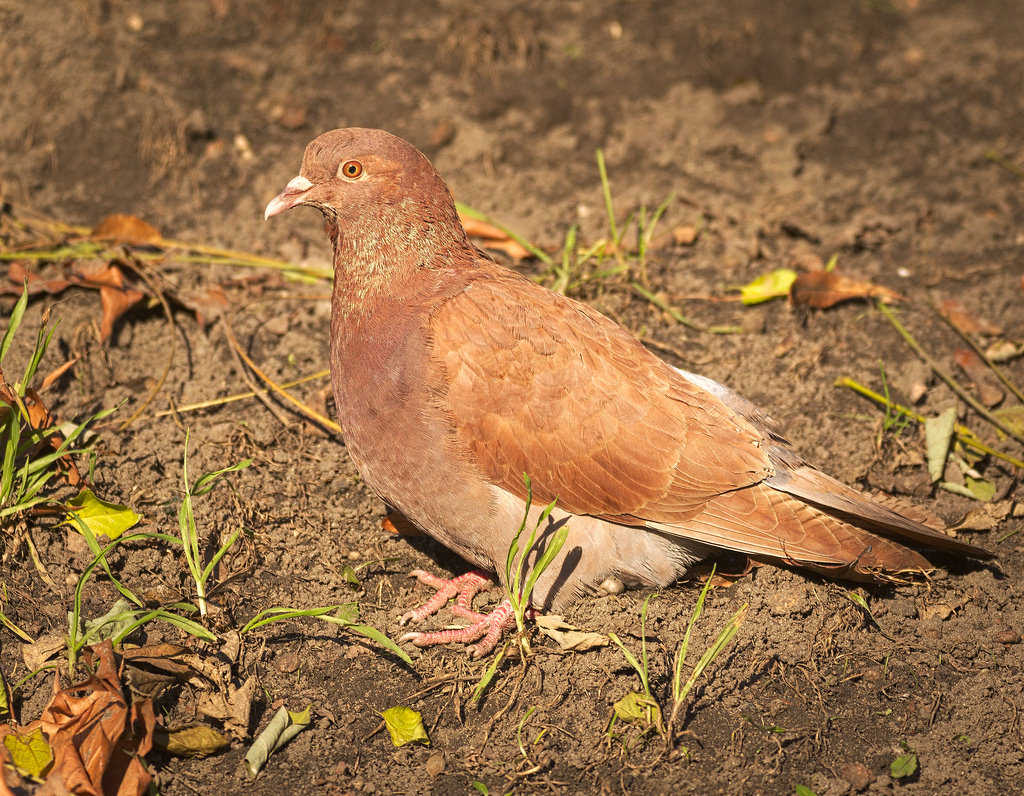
(488, 628)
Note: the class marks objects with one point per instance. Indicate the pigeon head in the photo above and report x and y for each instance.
(383, 201)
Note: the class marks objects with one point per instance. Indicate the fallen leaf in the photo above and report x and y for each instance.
(822, 289)
(635, 707)
(190, 740)
(19, 275)
(1012, 417)
(768, 286)
(568, 637)
(56, 373)
(405, 725)
(96, 737)
(284, 726)
(989, 391)
(231, 705)
(101, 517)
(980, 488)
(938, 434)
(36, 654)
(493, 237)
(29, 752)
(985, 517)
(125, 228)
(960, 317)
(903, 766)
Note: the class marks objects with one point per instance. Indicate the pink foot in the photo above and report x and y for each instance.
(486, 627)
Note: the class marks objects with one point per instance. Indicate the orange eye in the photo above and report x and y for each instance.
(351, 169)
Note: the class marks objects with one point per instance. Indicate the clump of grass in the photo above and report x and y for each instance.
(609, 257)
(644, 707)
(521, 581)
(189, 533)
(31, 454)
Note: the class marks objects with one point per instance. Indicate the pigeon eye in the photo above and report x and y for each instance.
(351, 169)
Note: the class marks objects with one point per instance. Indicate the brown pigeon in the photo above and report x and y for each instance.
(453, 377)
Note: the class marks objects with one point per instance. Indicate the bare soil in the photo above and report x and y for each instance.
(785, 130)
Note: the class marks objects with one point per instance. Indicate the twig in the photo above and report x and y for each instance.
(964, 435)
(1001, 160)
(34, 554)
(174, 338)
(969, 399)
(326, 422)
(238, 396)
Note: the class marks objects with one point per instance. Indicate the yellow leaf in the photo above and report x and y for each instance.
(30, 753)
(100, 516)
(405, 726)
(768, 286)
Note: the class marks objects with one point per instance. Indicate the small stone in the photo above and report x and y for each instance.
(685, 235)
(286, 662)
(1008, 637)
(435, 764)
(857, 774)
(940, 611)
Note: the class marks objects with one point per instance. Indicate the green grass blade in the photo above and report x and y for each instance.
(489, 672)
(606, 189)
(14, 322)
(631, 659)
(373, 634)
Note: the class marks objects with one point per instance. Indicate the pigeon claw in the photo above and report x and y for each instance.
(464, 588)
(485, 631)
(486, 628)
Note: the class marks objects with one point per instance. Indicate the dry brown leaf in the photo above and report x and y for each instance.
(231, 705)
(19, 274)
(822, 289)
(116, 298)
(97, 737)
(958, 315)
(40, 419)
(206, 302)
(494, 238)
(56, 373)
(986, 384)
(395, 522)
(125, 228)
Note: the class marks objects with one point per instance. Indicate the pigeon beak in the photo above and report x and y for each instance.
(288, 198)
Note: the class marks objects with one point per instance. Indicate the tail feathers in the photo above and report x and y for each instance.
(880, 514)
(766, 523)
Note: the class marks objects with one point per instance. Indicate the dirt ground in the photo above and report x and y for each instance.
(784, 131)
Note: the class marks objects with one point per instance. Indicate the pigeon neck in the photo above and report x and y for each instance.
(381, 262)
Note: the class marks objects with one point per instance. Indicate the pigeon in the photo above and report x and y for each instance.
(454, 377)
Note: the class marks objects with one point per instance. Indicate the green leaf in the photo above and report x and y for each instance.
(903, 766)
(938, 434)
(803, 790)
(768, 286)
(100, 516)
(1012, 417)
(30, 753)
(636, 707)
(980, 488)
(405, 726)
